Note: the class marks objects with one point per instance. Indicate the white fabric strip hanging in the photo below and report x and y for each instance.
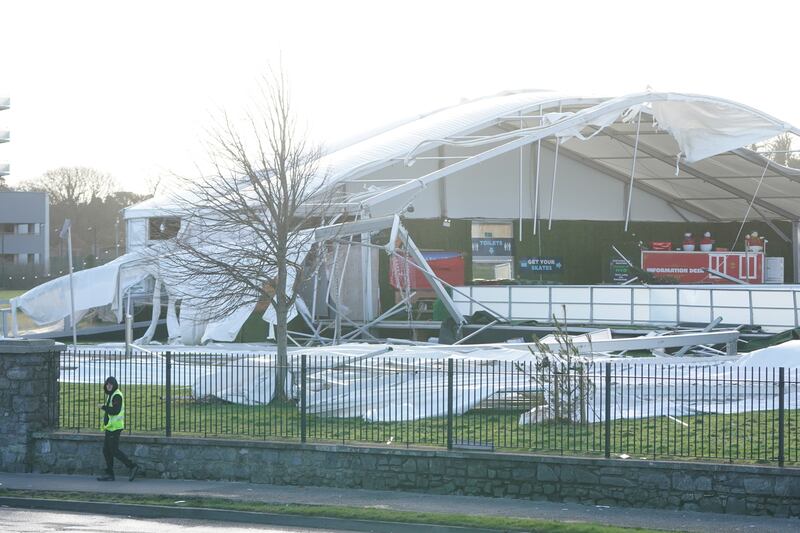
(519, 205)
(633, 170)
(553, 187)
(749, 207)
(536, 194)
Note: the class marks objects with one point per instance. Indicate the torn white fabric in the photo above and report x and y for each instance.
(155, 315)
(704, 128)
(173, 325)
(226, 329)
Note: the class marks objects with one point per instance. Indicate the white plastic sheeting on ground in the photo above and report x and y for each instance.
(786, 355)
(410, 382)
(245, 381)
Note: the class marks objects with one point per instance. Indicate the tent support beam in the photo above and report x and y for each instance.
(689, 169)
(579, 119)
(366, 226)
(426, 270)
(760, 160)
(393, 310)
(772, 226)
(613, 173)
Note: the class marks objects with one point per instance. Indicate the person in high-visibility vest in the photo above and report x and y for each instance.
(113, 424)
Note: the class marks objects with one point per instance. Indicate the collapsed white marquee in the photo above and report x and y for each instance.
(682, 130)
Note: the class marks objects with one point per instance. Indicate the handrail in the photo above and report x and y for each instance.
(757, 305)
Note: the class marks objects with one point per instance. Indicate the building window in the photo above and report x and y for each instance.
(492, 250)
(163, 228)
(7, 228)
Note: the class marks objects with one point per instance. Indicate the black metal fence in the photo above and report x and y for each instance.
(631, 408)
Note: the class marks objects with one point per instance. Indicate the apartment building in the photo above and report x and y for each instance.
(25, 230)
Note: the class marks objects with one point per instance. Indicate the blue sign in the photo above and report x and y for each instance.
(493, 246)
(543, 265)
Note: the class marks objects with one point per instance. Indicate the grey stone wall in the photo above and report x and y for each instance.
(28, 381)
(691, 486)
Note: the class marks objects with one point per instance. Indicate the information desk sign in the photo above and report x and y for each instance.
(702, 267)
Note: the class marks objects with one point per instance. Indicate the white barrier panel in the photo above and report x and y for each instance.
(774, 306)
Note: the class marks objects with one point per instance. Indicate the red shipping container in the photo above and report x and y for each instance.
(449, 266)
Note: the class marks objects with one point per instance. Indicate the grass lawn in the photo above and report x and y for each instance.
(8, 294)
(328, 511)
(745, 437)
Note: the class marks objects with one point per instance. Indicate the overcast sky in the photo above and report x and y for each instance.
(131, 88)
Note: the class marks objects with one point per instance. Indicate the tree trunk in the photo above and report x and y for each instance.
(281, 331)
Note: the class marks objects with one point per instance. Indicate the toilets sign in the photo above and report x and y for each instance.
(492, 247)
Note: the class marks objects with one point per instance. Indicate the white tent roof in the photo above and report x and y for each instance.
(703, 137)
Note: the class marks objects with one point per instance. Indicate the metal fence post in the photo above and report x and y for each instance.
(303, 397)
(781, 415)
(449, 404)
(608, 411)
(168, 384)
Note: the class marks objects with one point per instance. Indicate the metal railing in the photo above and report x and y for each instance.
(717, 412)
(758, 305)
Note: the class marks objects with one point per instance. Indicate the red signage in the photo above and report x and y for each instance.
(448, 266)
(700, 267)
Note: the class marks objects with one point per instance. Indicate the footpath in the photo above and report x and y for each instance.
(356, 498)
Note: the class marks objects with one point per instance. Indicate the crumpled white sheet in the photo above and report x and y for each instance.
(701, 127)
(95, 287)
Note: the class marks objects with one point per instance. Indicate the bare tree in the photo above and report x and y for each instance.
(780, 151)
(73, 185)
(246, 237)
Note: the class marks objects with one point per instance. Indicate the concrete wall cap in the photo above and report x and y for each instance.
(18, 346)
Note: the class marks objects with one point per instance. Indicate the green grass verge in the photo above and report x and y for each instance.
(328, 511)
(6, 294)
(745, 437)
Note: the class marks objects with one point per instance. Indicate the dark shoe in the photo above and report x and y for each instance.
(134, 471)
(107, 477)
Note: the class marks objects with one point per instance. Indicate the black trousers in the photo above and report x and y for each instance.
(111, 450)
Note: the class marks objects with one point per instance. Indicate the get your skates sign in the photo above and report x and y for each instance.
(690, 267)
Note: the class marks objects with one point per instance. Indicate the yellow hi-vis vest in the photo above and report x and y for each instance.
(117, 421)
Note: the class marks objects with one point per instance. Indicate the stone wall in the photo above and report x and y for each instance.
(676, 485)
(28, 383)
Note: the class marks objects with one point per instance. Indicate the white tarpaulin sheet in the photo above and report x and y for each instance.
(95, 287)
(704, 128)
(410, 383)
